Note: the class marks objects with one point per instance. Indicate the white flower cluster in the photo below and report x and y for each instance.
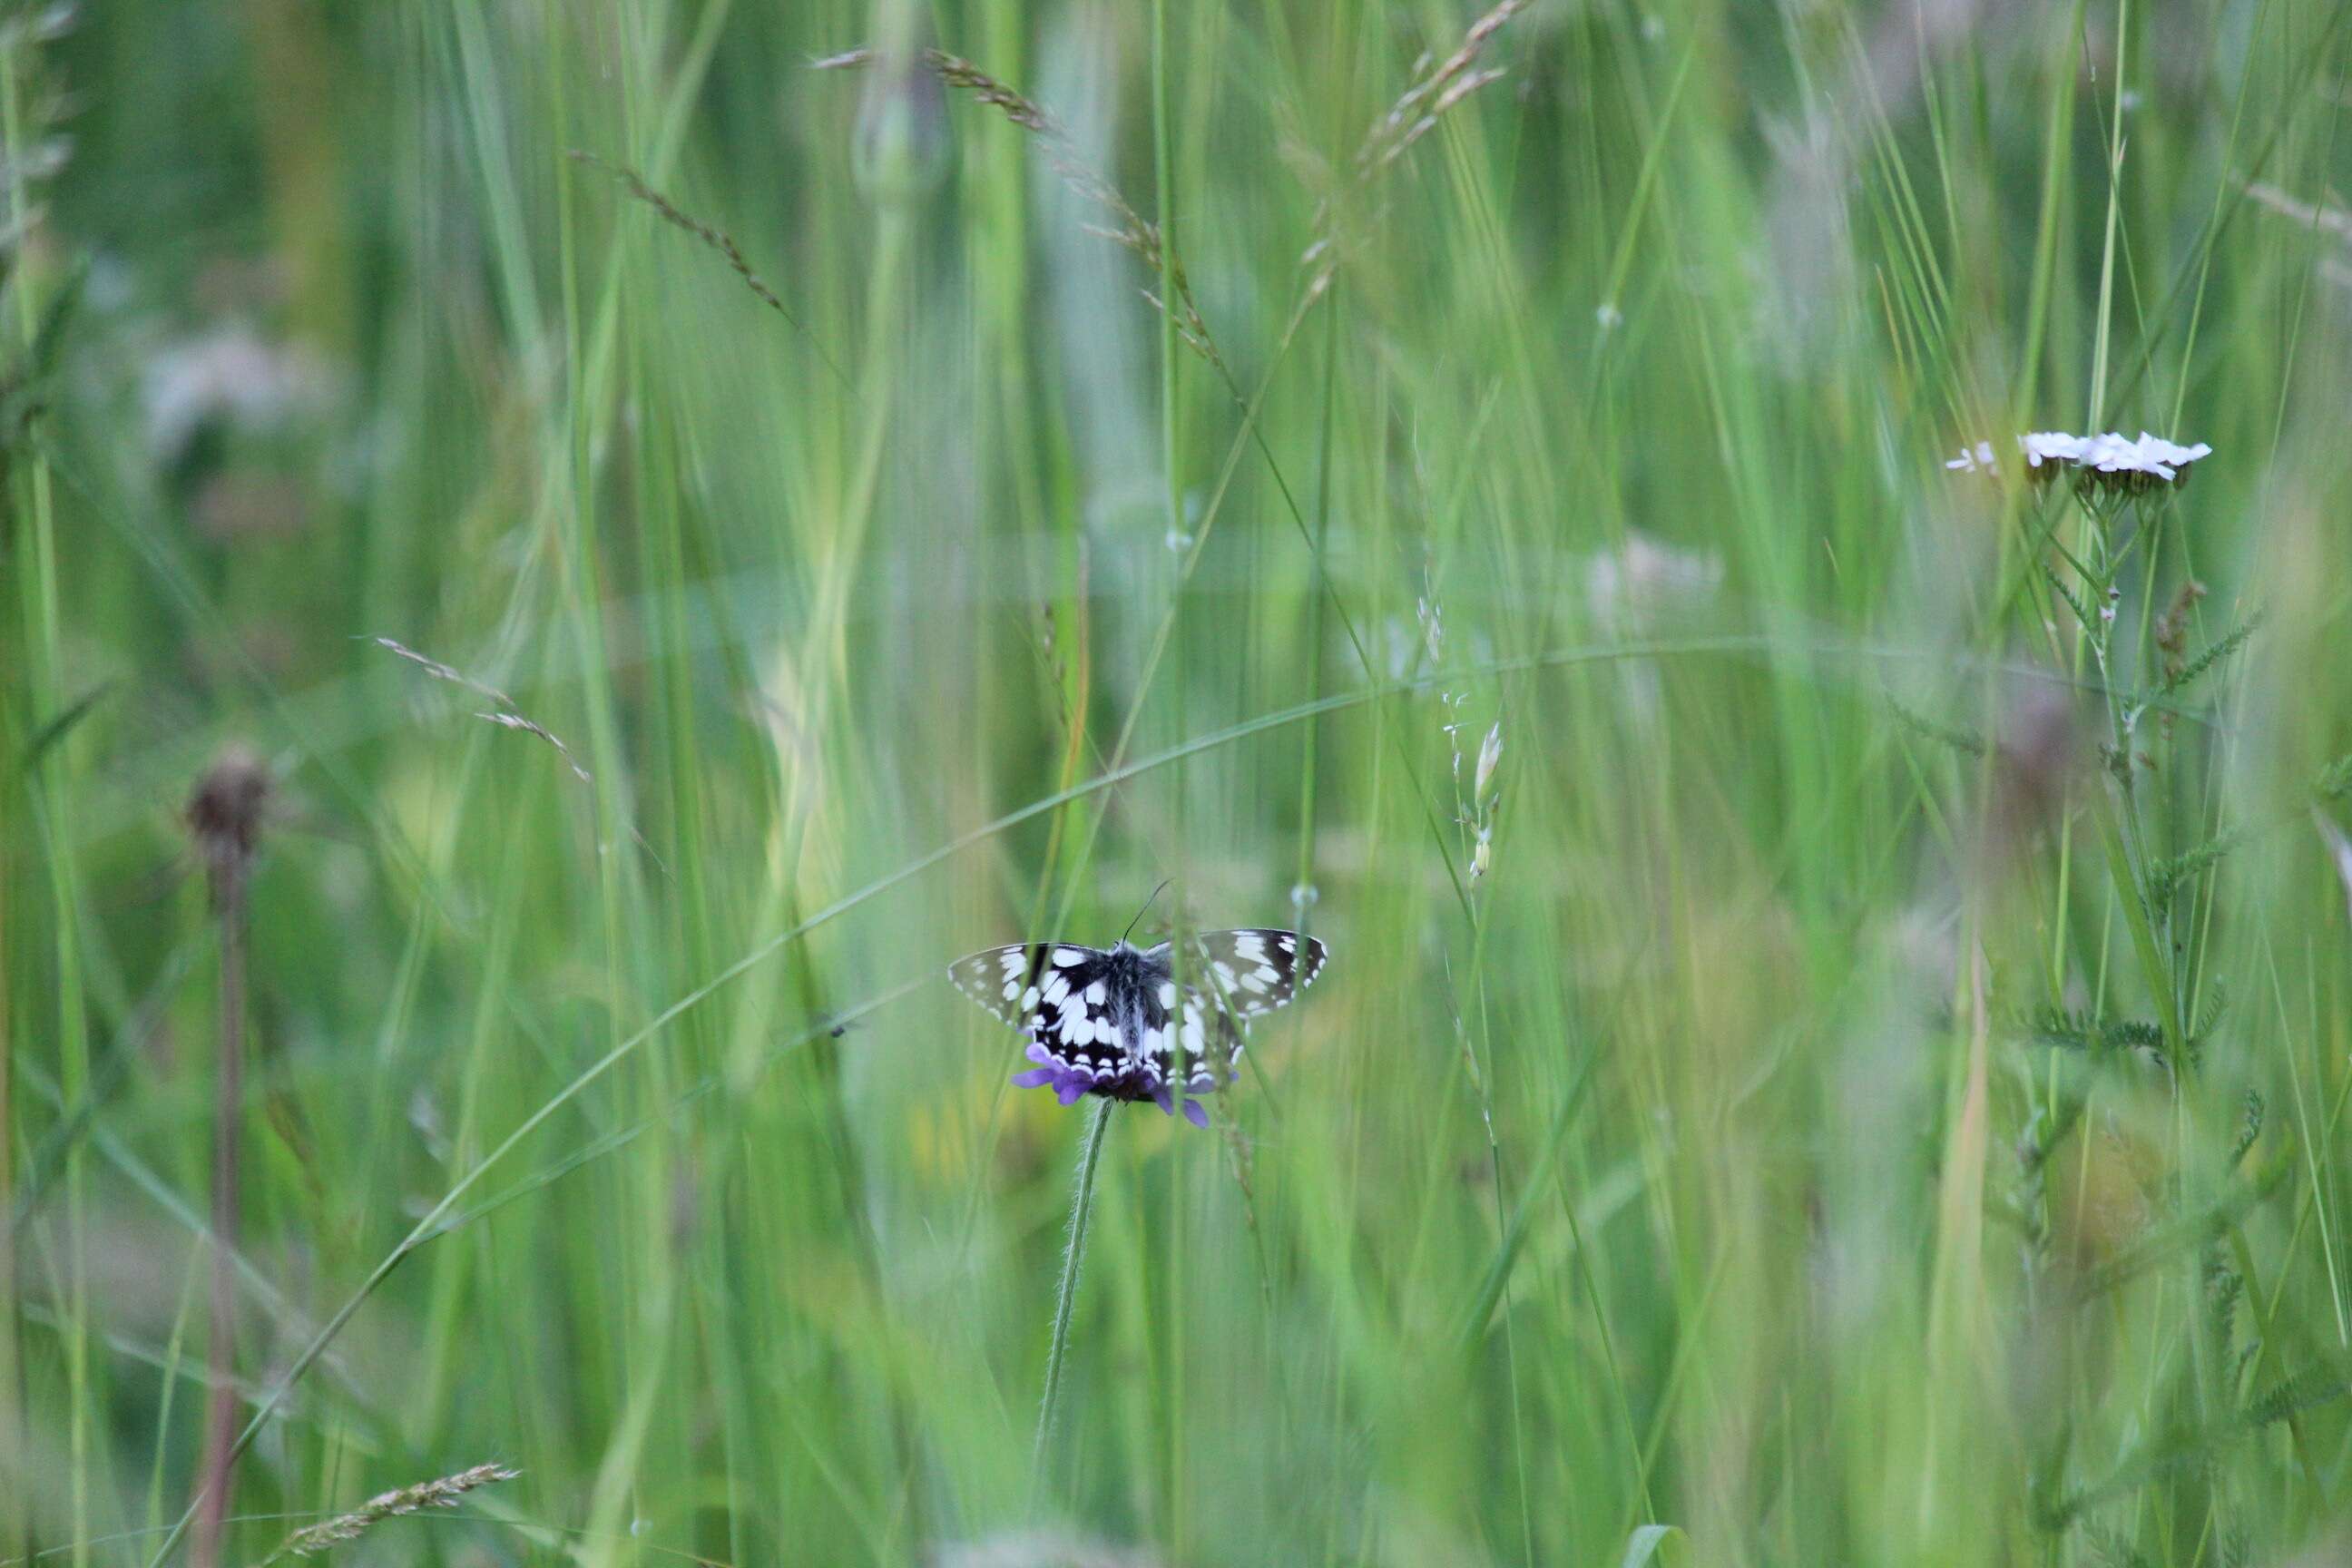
(2112, 461)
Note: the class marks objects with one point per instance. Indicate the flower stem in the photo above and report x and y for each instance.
(224, 817)
(1081, 1204)
(220, 1398)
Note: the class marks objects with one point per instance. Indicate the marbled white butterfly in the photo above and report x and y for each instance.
(1105, 1020)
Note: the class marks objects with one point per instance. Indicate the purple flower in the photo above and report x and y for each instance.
(1141, 1080)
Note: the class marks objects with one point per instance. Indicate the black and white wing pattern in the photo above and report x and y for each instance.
(1109, 1022)
(1056, 992)
(1250, 971)
(995, 978)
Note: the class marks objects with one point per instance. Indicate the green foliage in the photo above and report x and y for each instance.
(2306, 1390)
(1927, 729)
(2166, 878)
(1717, 1109)
(2074, 602)
(2084, 1032)
(2249, 1133)
(2112, 1550)
(1649, 1544)
(59, 726)
(2229, 642)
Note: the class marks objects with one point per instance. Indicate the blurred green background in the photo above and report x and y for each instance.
(1854, 1084)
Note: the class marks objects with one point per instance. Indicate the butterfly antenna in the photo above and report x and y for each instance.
(1146, 907)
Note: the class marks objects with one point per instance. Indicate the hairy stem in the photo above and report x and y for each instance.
(1066, 1300)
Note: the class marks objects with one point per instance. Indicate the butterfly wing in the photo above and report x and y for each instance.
(1233, 976)
(1253, 970)
(1056, 992)
(996, 978)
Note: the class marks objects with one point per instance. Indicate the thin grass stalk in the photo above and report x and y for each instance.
(14, 1519)
(45, 661)
(1173, 294)
(165, 1405)
(1302, 890)
(1476, 813)
(893, 287)
(1066, 1300)
(14, 1514)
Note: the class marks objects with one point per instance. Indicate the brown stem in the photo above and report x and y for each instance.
(224, 817)
(220, 1398)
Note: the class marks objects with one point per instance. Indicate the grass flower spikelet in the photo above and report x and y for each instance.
(347, 1527)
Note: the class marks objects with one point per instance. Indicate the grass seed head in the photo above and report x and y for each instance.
(346, 1527)
(1490, 756)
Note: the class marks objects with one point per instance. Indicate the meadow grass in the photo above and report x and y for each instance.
(1840, 993)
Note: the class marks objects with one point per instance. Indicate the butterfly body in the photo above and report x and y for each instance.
(1114, 1022)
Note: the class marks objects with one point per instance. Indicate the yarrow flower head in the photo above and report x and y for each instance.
(2111, 461)
(2047, 450)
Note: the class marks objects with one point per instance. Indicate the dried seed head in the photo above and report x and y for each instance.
(225, 811)
(2172, 626)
